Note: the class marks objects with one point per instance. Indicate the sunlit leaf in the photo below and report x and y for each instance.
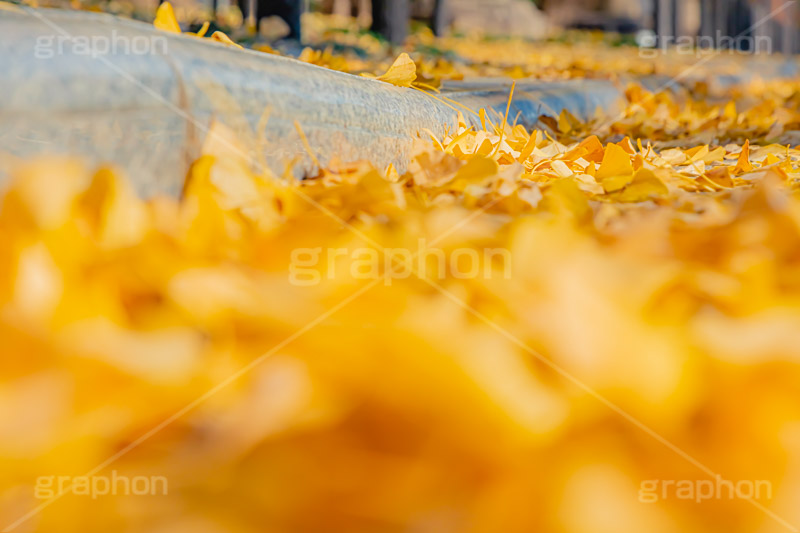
(165, 19)
(402, 73)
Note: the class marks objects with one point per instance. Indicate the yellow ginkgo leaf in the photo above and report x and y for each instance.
(645, 185)
(564, 197)
(627, 145)
(476, 170)
(717, 154)
(697, 153)
(203, 29)
(719, 178)
(743, 164)
(402, 73)
(616, 170)
(567, 121)
(729, 111)
(590, 149)
(119, 217)
(224, 39)
(616, 162)
(309, 55)
(616, 183)
(165, 19)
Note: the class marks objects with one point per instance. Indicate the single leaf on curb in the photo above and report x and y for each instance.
(220, 37)
(402, 73)
(165, 19)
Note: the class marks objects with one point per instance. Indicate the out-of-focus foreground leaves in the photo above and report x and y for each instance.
(628, 312)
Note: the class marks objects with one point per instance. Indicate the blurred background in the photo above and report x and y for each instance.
(714, 23)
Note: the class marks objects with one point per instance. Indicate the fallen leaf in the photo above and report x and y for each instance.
(616, 170)
(165, 19)
(743, 163)
(645, 185)
(402, 73)
(220, 37)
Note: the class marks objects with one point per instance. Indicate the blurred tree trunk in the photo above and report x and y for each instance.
(288, 10)
(390, 19)
(440, 17)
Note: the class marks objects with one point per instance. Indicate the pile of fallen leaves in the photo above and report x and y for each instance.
(514, 335)
(763, 112)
